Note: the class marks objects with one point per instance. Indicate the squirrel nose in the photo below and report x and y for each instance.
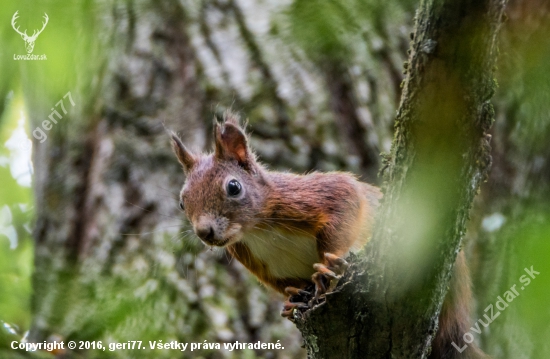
(205, 233)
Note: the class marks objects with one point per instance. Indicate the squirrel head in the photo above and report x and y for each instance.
(223, 191)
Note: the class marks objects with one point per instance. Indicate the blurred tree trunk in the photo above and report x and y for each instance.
(113, 259)
(389, 303)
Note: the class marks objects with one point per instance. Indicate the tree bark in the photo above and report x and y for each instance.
(112, 258)
(388, 304)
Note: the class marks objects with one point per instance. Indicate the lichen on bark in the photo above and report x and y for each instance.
(440, 156)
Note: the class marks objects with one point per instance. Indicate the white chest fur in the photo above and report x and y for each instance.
(284, 255)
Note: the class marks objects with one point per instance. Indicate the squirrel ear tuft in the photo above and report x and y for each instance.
(231, 142)
(185, 157)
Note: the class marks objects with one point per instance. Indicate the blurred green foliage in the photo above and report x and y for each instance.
(16, 249)
(66, 31)
(533, 235)
(519, 188)
(333, 31)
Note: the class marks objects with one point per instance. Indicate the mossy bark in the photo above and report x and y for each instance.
(388, 304)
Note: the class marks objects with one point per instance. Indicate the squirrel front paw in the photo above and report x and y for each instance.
(326, 276)
(297, 300)
(324, 279)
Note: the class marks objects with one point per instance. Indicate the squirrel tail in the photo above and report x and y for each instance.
(454, 319)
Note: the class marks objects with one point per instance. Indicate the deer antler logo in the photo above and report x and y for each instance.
(29, 40)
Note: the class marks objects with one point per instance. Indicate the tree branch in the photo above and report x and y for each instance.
(389, 303)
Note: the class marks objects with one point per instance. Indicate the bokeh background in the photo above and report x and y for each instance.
(92, 243)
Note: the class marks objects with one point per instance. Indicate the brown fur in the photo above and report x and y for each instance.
(311, 214)
(454, 319)
(334, 209)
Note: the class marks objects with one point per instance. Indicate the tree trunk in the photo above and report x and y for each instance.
(113, 260)
(388, 304)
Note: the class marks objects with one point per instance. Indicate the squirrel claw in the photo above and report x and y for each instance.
(323, 269)
(320, 287)
(336, 264)
(292, 291)
(295, 300)
(327, 276)
(288, 308)
(325, 279)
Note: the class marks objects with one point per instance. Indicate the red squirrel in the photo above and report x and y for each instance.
(288, 230)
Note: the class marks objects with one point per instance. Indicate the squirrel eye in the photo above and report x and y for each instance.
(181, 206)
(233, 188)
